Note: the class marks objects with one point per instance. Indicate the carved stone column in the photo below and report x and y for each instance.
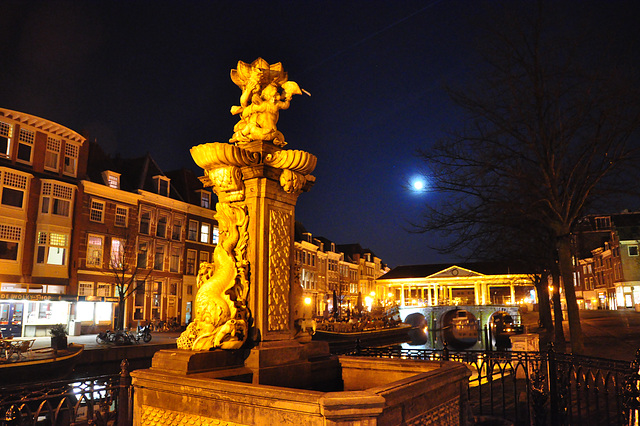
(271, 208)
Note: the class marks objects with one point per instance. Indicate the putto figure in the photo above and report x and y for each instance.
(265, 91)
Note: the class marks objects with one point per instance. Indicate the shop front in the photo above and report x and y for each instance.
(32, 315)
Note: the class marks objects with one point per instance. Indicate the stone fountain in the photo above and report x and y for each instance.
(240, 361)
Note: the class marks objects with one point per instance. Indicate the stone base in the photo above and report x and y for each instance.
(376, 392)
(280, 363)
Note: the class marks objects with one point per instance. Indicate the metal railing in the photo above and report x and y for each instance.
(100, 400)
(540, 388)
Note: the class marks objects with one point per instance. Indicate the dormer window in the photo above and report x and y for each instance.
(162, 185)
(205, 199)
(111, 179)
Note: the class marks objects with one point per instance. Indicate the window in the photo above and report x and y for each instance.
(85, 288)
(116, 258)
(25, 145)
(104, 290)
(70, 159)
(191, 262)
(138, 300)
(204, 257)
(6, 133)
(204, 233)
(143, 250)
(205, 199)
(174, 260)
(603, 222)
(10, 237)
(145, 222)
(158, 259)
(214, 235)
(176, 233)
(13, 188)
(111, 179)
(162, 185)
(161, 229)
(96, 213)
(56, 199)
(122, 214)
(52, 248)
(52, 154)
(95, 245)
(156, 299)
(633, 250)
(193, 230)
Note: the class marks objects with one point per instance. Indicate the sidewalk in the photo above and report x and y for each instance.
(89, 340)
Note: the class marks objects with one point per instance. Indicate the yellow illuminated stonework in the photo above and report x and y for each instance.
(221, 311)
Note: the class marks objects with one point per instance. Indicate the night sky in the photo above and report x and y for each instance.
(153, 76)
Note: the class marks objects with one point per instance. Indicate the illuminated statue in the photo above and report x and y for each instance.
(220, 307)
(265, 91)
(221, 310)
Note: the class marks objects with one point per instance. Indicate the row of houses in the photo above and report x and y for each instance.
(337, 278)
(75, 223)
(72, 218)
(607, 261)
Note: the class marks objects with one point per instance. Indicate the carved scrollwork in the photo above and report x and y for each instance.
(296, 160)
(217, 154)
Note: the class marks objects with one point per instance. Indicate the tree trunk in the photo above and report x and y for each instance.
(558, 329)
(566, 270)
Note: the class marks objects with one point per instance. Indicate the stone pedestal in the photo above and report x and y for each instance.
(373, 392)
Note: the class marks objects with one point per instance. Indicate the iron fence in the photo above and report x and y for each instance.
(540, 388)
(101, 400)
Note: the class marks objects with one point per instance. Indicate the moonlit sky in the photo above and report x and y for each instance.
(153, 76)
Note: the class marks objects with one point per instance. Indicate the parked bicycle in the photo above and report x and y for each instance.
(123, 337)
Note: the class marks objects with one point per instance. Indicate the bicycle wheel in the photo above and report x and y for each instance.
(147, 337)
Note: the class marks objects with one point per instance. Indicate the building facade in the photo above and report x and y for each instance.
(40, 165)
(607, 261)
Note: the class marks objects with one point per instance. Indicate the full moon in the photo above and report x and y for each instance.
(418, 184)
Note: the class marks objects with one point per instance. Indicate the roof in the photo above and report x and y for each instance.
(484, 268)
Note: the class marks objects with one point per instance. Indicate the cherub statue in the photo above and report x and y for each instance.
(265, 91)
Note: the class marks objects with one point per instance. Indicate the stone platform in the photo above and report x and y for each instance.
(295, 384)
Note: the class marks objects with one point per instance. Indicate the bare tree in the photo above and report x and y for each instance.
(125, 268)
(549, 134)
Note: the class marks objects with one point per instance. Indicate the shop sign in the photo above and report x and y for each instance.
(30, 296)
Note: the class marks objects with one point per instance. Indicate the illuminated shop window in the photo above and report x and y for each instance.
(25, 146)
